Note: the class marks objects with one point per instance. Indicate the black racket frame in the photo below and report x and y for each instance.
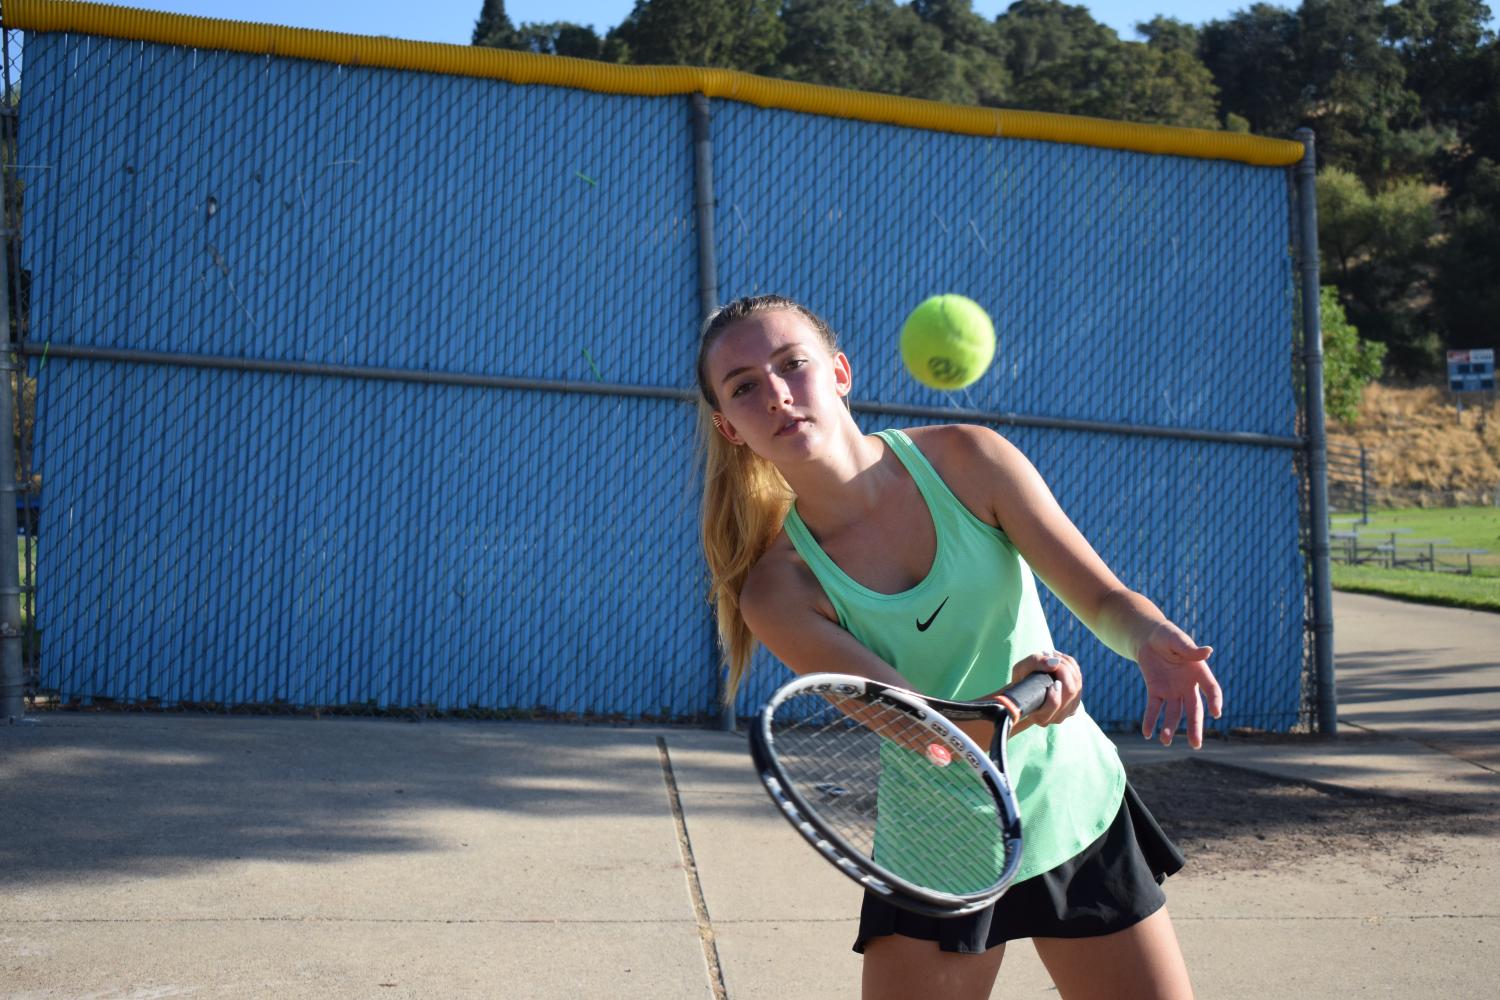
(939, 716)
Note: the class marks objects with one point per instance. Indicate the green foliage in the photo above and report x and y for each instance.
(1481, 135)
(1255, 59)
(1382, 86)
(1357, 227)
(493, 28)
(1166, 87)
(1375, 248)
(1062, 60)
(1439, 42)
(555, 38)
(559, 38)
(1356, 98)
(972, 48)
(1169, 35)
(848, 43)
(1466, 290)
(733, 34)
(1349, 363)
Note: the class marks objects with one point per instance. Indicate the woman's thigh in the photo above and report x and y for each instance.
(1142, 962)
(902, 968)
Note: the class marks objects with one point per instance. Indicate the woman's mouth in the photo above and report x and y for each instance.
(791, 426)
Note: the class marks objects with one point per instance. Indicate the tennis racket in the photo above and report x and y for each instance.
(883, 783)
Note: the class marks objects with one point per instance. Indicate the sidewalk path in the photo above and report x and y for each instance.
(1427, 674)
(161, 856)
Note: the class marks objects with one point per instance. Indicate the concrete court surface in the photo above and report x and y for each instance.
(157, 856)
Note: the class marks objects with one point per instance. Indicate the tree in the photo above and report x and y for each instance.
(1453, 64)
(1466, 285)
(493, 27)
(1438, 42)
(1349, 363)
(1060, 59)
(1466, 288)
(843, 43)
(559, 38)
(1376, 247)
(1254, 58)
(1169, 34)
(1482, 134)
(973, 47)
(927, 69)
(1039, 34)
(1167, 86)
(1359, 104)
(733, 34)
(935, 49)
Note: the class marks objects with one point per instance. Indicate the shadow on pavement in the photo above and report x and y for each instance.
(142, 795)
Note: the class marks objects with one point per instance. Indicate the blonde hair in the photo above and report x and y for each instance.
(745, 498)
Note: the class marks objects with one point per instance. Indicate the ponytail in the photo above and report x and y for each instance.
(745, 497)
(745, 500)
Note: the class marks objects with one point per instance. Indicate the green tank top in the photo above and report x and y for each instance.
(957, 634)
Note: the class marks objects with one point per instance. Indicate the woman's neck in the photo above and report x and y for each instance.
(844, 487)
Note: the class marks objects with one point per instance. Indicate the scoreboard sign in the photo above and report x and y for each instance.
(1471, 371)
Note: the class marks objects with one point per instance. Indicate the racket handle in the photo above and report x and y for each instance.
(1028, 693)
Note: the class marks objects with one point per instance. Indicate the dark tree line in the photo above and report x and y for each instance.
(1405, 101)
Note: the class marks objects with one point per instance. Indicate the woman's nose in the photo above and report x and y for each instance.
(781, 393)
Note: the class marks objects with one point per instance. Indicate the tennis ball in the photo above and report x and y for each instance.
(947, 342)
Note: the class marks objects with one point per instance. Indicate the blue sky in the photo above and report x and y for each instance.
(453, 20)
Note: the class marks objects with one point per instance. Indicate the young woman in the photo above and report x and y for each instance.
(908, 558)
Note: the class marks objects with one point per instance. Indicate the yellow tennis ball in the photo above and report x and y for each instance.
(947, 342)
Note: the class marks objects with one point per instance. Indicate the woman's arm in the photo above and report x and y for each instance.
(992, 476)
(781, 602)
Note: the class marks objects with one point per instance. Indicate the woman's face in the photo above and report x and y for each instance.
(779, 389)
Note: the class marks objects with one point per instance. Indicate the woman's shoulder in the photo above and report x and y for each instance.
(782, 582)
(958, 449)
(949, 435)
(978, 465)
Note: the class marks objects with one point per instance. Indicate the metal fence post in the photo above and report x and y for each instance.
(12, 672)
(1317, 442)
(1364, 486)
(703, 206)
(12, 677)
(708, 300)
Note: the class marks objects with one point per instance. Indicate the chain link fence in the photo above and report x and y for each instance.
(370, 390)
(1127, 290)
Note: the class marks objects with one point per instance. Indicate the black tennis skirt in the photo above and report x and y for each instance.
(1110, 885)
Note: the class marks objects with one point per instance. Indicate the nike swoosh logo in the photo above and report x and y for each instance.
(924, 626)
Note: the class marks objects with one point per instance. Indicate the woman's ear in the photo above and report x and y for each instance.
(724, 427)
(843, 375)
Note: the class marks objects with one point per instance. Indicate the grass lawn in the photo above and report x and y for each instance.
(1480, 593)
(1463, 527)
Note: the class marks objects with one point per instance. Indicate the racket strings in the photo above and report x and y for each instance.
(890, 787)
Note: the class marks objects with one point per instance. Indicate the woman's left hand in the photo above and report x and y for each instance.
(1062, 697)
(1178, 678)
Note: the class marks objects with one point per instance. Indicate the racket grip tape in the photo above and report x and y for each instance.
(1026, 695)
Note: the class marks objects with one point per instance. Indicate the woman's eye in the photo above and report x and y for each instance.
(794, 364)
(739, 390)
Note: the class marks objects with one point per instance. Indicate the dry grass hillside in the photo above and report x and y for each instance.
(1423, 453)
